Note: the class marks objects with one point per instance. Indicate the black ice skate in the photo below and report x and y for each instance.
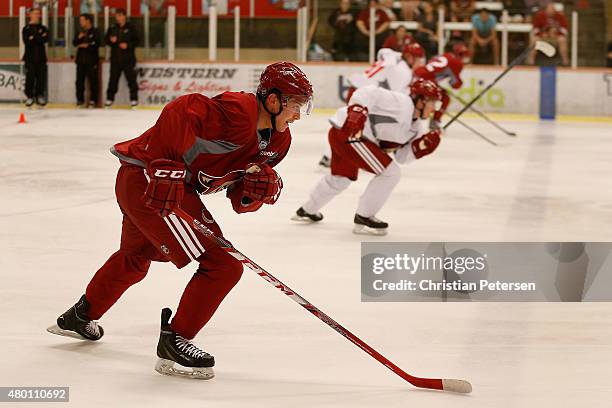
(174, 349)
(75, 323)
(302, 215)
(369, 226)
(325, 162)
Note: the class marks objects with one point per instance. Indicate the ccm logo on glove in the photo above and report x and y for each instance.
(173, 174)
(165, 190)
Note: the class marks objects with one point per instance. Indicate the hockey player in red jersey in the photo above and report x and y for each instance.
(446, 66)
(198, 145)
(378, 130)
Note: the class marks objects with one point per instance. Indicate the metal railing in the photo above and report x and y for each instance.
(302, 34)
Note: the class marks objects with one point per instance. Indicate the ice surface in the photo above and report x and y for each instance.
(59, 222)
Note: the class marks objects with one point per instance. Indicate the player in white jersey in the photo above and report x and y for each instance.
(392, 71)
(378, 130)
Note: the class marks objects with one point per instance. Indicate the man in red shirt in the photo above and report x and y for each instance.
(381, 27)
(198, 145)
(446, 66)
(551, 26)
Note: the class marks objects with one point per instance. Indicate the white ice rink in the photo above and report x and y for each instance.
(59, 222)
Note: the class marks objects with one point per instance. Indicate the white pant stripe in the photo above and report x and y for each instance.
(184, 235)
(190, 232)
(370, 154)
(179, 239)
(374, 164)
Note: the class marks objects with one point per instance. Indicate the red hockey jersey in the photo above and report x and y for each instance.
(441, 67)
(215, 137)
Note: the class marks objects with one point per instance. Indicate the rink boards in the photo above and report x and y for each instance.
(585, 92)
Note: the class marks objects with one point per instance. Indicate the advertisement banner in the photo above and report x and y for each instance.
(161, 82)
(12, 82)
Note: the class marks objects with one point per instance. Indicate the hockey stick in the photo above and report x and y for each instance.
(481, 114)
(542, 46)
(477, 133)
(452, 385)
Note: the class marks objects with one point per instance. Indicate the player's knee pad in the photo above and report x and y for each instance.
(338, 183)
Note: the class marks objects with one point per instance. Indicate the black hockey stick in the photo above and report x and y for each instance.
(542, 46)
(477, 133)
(452, 385)
(481, 114)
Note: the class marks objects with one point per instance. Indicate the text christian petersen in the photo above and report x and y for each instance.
(411, 265)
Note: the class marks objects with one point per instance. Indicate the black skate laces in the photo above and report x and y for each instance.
(189, 348)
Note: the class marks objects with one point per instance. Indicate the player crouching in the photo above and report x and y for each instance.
(376, 124)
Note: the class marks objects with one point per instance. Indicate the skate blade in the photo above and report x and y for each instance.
(365, 230)
(167, 367)
(305, 220)
(55, 329)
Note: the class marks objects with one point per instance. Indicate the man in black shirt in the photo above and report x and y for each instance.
(342, 21)
(35, 35)
(122, 38)
(87, 42)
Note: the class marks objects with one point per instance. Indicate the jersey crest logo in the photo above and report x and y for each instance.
(263, 144)
(213, 184)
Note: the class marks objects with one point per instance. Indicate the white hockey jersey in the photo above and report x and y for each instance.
(390, 71)
(389, 117)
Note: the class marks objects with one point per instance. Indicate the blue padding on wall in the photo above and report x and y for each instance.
(548, 92)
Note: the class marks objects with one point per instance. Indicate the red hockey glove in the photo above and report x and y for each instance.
(426, 144)
(165, 190)
(240, 203)
(356, 116)
(262, 183)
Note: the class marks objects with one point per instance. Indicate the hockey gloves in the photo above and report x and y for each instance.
(240, 203)
(165, 190)
(356, 116)
(426, 144)
(262, 183)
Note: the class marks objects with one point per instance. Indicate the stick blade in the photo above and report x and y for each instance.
(545, 48)
(461, 386)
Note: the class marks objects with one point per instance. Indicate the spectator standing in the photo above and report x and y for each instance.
(381, 27)
(35, 36)
(551, 26)
(609, 58)
(342, 20)
(427, 30)
(87, 42)
(122, 38)
(398, 40)
(484, 35)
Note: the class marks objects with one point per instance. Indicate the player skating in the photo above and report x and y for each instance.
(376, 125)
(198, 145)
(392, 70)
(447, 66)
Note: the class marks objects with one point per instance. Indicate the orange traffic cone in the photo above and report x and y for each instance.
(21, 118)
